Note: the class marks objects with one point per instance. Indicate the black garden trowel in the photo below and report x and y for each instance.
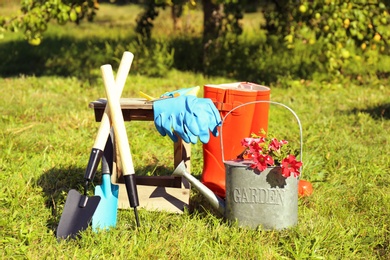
(77, 215)
(79, 208)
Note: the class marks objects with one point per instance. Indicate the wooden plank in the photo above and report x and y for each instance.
(162, 181)
(126, 103)
(182, 152)
(133, 109)
(128, 115)
(157, 198)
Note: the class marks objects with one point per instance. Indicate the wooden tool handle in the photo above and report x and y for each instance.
(105, 124)
(117, 120)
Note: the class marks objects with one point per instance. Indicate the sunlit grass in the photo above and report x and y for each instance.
(47, 131)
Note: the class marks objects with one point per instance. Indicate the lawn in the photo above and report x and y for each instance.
(47, 131)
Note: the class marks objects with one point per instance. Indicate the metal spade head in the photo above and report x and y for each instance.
(77, 214)
(106, 213)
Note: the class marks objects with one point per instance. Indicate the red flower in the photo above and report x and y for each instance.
(268, 152)
(283, 142)
(253, 144)
(290, 166)
(246, 141)
(262, 161)
(276, 145)
(249, 141)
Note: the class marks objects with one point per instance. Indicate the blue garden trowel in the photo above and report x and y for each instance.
(106, 213)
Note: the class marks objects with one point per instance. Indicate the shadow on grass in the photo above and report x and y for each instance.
(67, 56)
(57, 182)
(379, 112)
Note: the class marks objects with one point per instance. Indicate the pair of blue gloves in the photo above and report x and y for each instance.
(187, 116)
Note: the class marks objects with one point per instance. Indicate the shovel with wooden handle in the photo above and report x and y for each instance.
(106, 213)
(118, 124)
(79, 209)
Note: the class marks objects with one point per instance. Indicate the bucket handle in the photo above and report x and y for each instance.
(269, 102)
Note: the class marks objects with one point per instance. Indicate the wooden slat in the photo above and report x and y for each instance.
(133, 109)
(163, 181)
(157, 198)
(182, 152)
(126, 103)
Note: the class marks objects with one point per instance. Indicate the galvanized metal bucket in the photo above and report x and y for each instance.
(260, 199)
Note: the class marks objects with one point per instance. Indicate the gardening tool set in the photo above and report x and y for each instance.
(181, 113)
(80, 209)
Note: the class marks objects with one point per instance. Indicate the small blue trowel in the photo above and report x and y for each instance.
(106, 213)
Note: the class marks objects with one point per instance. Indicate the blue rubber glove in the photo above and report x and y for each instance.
(206, 117)
(187, 116)
(169, 117)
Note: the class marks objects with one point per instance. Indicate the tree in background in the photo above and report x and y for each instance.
(221, 24)
(341, 36)
(344, 32)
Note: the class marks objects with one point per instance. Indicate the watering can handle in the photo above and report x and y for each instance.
(269, 102)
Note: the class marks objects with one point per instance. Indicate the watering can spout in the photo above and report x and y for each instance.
(215, 201)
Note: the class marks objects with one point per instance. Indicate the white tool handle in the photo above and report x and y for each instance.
(117, 120)
(105, 124)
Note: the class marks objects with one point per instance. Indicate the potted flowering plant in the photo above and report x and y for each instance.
(269, 151)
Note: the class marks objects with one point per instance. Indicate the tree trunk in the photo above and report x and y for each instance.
(212, 21)
(176, 12)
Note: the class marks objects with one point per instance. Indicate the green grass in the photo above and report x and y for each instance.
(47, 131)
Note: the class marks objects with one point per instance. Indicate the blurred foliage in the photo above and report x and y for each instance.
(306, 39)
(339, 38)
(34, 16)
(348, 31)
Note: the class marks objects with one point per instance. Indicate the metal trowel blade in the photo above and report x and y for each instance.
(76, 218)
